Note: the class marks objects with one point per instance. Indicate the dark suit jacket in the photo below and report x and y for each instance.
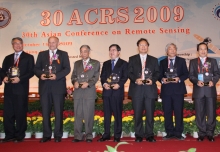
(57, 86)
(199, 92)
(93, 77)
(120, 68)
(26, 66)
(135, 67)
(182, 73)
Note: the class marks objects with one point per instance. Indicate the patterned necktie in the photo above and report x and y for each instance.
(143, 68)
(171, 63)
(84, 64)
(15, 58)
(113, 64)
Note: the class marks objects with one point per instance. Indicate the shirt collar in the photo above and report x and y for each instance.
(19, 53)
(116, 59)
(54, 51)
(143, 56)
(87, 60)
(202, 58)
(174, 58)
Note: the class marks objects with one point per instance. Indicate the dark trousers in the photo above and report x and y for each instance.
(205, 107)
(47, 100)
(139, 104)
(173, 104)
(15, 115)
(113, 105)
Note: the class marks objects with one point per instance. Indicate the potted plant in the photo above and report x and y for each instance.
(68, 125)
(2, 133)
(29, 130)
(52, 120)
(96, 125)
(126, 123)
(38, 126)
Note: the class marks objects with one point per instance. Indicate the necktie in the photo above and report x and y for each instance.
(113, 64)
(171, 63)
(15, 58)
(84, 64)
(143, 68)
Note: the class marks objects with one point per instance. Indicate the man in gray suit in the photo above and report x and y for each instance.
(52, 89)
(204, 74)
(84, 77)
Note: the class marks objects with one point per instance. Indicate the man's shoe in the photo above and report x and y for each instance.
(7, 140)
(168, 136)
(76, 140)
(138, 139)
(88, 140)
(151, 139)
(103, 139)
(45, 139)
(180, 137)
(18, 140)
(200, 138)
(116, 139)
(211, 138)
(57, 139)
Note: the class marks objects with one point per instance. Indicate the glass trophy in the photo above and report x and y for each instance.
(171, 74)
(48, 70)
(205, 76)
(147, 75)
(113, 79)
(13, 72)
(83, 77)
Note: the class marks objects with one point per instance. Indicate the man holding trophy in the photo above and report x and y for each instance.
(51, 68)
(17, 69)
(173, 73)
(204, 74)
(113, 78)
(84, 77)
(143, 72)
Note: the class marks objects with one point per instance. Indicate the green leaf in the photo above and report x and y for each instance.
(192, 150)
(111, 149)
(121, 143)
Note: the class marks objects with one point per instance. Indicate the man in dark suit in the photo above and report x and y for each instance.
(143, 95)
(204, 74)
(84, 94)
(113, 92)
(172, 92)
(16, 92)
(52, 90)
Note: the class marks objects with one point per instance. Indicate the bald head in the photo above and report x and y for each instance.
(53, 42)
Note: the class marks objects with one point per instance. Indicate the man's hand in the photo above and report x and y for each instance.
(15, 80)
(176, 80)
(52, 77)
(164, 80)
(43, 77)
(106, 86)
(211, 84)
(150, 82)
(85, 85)
(5, 80)
(76, 85)
(200, 83)
(139, 81)
(115, 86)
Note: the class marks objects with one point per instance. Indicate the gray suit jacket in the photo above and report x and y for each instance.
(93, 76)
(199, 92)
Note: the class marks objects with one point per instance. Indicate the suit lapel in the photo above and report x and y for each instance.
(139, 65)
(117, 65)
(176, 62)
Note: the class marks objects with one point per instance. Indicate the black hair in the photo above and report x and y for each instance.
(143, 39)
(202, 43)
(116, 45)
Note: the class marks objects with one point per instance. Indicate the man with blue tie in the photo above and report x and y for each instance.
(113, 93)
(173, 73)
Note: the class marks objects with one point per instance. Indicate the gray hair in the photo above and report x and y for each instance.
(84, 46)
(168, 45)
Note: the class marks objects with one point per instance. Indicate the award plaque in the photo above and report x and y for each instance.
(113, 79)
(83, 77)
(147, 75)
(13, 72)
(48, 70)
(171, 74)
(205, 76)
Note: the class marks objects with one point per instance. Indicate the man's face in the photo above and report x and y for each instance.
(17, 45)
(84, 53)
(171, 51)
(202, 51)
(143, 47)
(53, 43)
(113, 53)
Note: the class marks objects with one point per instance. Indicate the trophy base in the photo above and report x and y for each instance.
(206, 83)
(10, 79)
(47, 76)
(80, 85)
(111, 86)
(145, 81)
(171, 79)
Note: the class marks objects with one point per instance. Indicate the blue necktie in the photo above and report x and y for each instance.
(171, 63)
(113, 64)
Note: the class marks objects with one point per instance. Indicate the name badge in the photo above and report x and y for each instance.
(200, 77)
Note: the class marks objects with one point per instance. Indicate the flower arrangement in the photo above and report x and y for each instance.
(29, 125)
(128, 124)
(96, 125)
(52, 120)
(68, 125)
(69, 92)
(207, 65)
(1, 124)
(158, 124)
(89, 66)
(37, 124)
